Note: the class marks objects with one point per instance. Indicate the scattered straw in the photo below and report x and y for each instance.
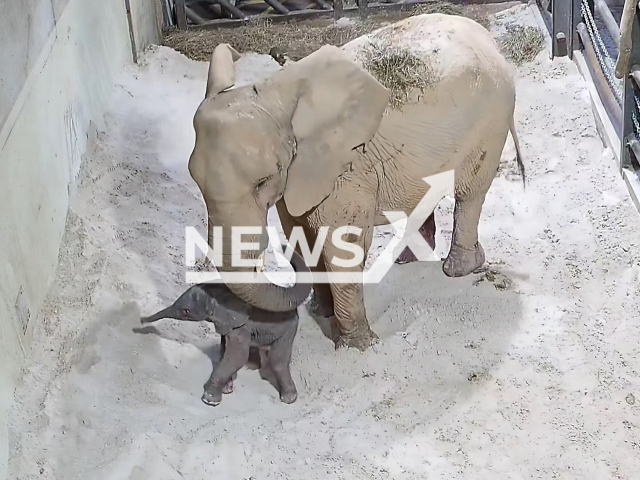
(437, 6)
(398, 69)
(295, 39)
(521, 44)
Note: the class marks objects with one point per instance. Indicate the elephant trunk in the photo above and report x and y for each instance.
(272, 297)
(265, 295)
(169, 312)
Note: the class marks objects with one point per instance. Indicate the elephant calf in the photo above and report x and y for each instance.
(241, 326)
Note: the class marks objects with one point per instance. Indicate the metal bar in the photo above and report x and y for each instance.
(546, 16)
(634, 146)
(193, 16)
(629, 93)
(338, 9)
(362, 8)
(604, 90)
(322, 4)
(561, 35)
(592, 7)
(134, 50)
(635, 76)
(278, 7)
(235, 12)
(181, 13)
(346, 12)
(576, 18)
(608, 20)
(168, 19)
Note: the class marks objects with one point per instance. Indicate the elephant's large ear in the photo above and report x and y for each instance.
(222, 73)
(340, 107)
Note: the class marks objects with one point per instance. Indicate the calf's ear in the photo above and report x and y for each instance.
(226, 320)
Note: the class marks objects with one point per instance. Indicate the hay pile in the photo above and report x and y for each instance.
(297, 39)
(398, 69)
(440, 7)
(521, 44)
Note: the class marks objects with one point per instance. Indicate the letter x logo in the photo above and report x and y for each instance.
(440, 185)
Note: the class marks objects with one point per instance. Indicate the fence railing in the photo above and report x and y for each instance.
(183, 14)
(590, 26)
(628, 67)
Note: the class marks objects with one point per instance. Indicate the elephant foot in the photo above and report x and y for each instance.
(212, 399)
(289, 397)
(428, 232)
(361, 339)
(212, 395)
(462, 261)
(228, 387)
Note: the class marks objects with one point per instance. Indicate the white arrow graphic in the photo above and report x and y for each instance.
(441, 185)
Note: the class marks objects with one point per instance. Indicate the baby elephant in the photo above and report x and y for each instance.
(241, 326)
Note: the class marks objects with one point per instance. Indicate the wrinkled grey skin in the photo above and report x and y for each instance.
(241, 326)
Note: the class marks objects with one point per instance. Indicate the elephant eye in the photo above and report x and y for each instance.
(262, 182)
(186, 311)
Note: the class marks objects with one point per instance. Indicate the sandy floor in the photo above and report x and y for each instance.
(530, 370)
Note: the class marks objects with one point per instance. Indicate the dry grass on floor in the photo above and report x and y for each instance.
(521, 44)
(297, 39)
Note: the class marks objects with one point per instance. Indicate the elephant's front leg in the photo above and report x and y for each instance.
(350, 325)
(236, 354)
(228, 388)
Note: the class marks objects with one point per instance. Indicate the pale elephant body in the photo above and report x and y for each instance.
(319, 141)
(460, 124)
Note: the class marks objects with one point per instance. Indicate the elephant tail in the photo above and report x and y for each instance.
(512, 129)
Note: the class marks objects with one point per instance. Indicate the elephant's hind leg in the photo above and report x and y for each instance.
(466, 254)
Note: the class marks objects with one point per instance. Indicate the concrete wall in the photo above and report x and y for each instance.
(58, 63)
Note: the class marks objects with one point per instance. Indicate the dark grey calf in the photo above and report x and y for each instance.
(240, 326)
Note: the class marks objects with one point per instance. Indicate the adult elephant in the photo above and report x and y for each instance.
(318, 140)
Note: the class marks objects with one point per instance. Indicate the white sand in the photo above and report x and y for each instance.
(468, 382)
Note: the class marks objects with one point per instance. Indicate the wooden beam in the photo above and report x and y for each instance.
(338, 9)
(181, 13)
(362, 8)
